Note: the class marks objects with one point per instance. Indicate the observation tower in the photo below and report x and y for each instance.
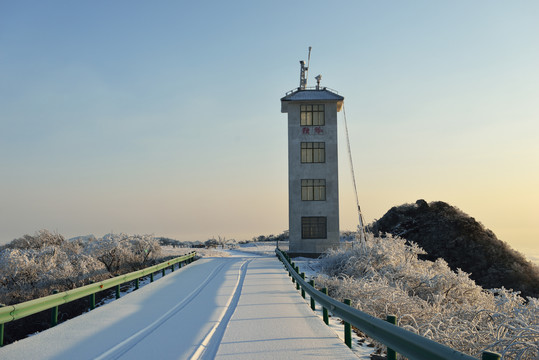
(313, 183)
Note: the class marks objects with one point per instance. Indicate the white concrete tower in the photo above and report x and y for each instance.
(313, 183)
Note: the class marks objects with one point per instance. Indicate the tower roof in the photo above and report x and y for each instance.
(311, 94)
(322, 94)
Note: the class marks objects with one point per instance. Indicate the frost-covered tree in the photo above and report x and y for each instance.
(385, 276)
(33, 265)
(42, 238)
(119, 252)
(223, 241)
(211, 243)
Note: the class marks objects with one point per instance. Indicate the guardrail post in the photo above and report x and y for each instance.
(348, 329)
(2, 330)
(391, 354)
(180, 265)
(54, 312)
(324, 310)
(487, 355)
(92, 300)
(117, 291)
(172, 268)
(151, 277)
(137, 283)
(302, 289)
(313, 303)
(163, 272)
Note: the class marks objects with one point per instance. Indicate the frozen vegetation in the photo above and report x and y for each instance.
(31, 266)
(444, 231)
(385, 276)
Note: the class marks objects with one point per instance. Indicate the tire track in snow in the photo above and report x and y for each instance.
(209, 346)
(120, 349)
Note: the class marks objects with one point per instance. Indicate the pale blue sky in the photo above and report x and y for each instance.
(164, 117)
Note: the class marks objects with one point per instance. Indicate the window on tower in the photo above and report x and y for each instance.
(313, 152)
(313, 189)
(314, 227)
(312, 115)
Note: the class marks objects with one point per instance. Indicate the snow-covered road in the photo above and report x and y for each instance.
(241, 307)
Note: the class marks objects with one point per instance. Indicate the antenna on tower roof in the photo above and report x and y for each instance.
(318, 79)
(304, 71)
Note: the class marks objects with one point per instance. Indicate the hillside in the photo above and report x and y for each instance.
(446, 232)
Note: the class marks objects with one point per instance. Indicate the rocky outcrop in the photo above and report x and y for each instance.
(446, 232)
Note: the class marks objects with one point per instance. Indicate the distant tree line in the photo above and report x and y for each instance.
(220, 241)
(280, 237)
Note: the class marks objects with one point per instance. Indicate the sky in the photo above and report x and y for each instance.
(164, 117)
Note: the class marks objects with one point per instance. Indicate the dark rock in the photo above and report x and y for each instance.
(421, 204)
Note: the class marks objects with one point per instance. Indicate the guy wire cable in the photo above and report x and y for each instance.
(361, 228)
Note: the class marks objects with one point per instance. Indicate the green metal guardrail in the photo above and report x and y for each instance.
(399, 340)
(21, 310)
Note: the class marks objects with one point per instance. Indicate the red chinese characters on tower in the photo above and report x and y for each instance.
(319, 130)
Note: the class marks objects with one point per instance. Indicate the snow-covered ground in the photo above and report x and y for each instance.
(233, 304)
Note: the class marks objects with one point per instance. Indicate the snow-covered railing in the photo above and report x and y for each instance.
(397, 340)
(21, 310)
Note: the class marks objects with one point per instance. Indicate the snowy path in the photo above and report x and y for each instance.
(242, 307)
